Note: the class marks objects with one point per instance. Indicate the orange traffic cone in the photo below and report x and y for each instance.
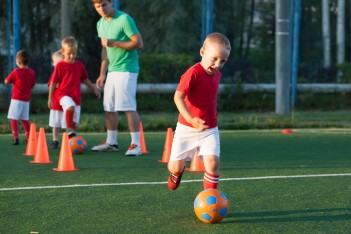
(65, 162)
(167, 147)
(142, 140)
(42, 153)
(32, 141)
(196, 164)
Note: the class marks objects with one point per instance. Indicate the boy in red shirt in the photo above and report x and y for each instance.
(196, 100)
(22, 80)
(56, 118)
(64, 89)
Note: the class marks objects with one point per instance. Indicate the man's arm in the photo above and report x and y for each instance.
(135, 43)
(103, 68)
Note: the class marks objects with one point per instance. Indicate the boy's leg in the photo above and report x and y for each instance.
(14, 129)
(69, 121)
(55, 142)
(68, 105)
(209, 151)
(211, 175)
(176, 169)
(26, 127)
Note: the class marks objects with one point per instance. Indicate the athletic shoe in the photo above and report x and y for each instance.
(105, 148)
(134, 150)
(174, 180)
(70, 132)
(15, 141)
(54, 145)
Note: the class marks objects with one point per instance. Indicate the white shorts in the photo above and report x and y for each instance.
(57, 118)
(188, 140)
(119, 91)
(18, 110)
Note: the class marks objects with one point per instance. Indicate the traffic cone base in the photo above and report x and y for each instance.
(142, 140)
(32, 141)
(196, 164)
(42, 153)
(65, 162)
(167, 147)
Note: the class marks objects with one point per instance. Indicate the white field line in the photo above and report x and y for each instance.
(165, 182)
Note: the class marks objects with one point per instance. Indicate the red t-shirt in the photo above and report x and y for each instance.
(23, 80)
(69, 76)
(200, 91)
(55, 104)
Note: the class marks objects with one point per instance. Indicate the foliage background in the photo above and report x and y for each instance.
(174, 28)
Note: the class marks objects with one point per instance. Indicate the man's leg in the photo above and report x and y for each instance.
(134, 128)
(111, 121)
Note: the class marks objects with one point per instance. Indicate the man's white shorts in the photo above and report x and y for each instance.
(119, 91)
(18, 110)
(57, 118)
(188, 140)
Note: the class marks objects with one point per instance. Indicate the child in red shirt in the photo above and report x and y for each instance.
(196, 100)
(22, 80)
(65, 86)
(56, 120)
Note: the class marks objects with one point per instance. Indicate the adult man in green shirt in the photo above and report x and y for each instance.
(120, 40)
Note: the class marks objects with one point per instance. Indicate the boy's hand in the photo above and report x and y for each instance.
(198, 123)
(97, 93)
(49, 103)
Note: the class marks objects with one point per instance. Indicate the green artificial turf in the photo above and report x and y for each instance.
(275, 183)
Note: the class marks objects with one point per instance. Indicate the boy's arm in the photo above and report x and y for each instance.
(51, 91)
(196, 122)
(88, 83)
(103, 69)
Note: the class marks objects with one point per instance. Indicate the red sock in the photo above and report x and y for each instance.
(210, 181)
(14, 128)
(69, 118)
(26, 127)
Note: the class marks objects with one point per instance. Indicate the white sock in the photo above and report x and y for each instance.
(135, 138)
(112, 137)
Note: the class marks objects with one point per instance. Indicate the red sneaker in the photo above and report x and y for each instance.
(174, 180)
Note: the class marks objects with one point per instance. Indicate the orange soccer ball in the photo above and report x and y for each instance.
(78, 144)
(211, 206)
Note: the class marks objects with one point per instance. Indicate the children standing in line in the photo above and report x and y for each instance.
(22, 80)
(56, 120)
(65, 87)
(196, 100)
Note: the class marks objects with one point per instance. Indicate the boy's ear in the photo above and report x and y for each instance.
(202, 51)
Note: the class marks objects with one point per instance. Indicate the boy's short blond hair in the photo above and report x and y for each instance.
(56, 57)
(69, 42)
(217, 38)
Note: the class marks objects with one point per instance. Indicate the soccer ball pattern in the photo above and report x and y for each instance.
(211, 206)
(78, 144)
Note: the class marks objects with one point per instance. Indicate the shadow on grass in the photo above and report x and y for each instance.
(333, 214)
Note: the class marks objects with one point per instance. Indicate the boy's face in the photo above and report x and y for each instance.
(69, 54)
(104, 8)
(214, 56)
